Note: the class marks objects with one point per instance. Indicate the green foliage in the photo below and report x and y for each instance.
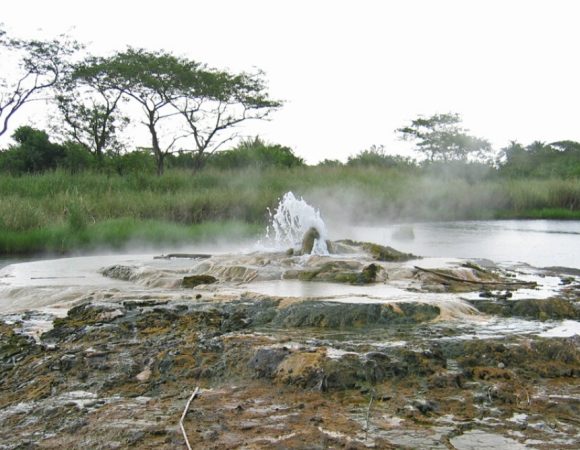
(32, 153)
(330, 163)
(40, 66)
(257, 154)
(76, 158)
(209, 102)
(90, 113)
(89, 207)
(35, 153)
(376, 156)
(440, 138)
(140, 162)
(559, 159)
(117, 233)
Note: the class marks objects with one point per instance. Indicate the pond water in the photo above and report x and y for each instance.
(540, 243)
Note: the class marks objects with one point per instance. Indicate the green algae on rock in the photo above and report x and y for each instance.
(306, 363)
(379, 252)
(192, 281)
(540, 309)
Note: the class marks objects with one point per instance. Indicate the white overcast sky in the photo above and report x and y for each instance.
(351, 72)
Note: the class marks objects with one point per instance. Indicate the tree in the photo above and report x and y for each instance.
(33, 152)
(440, 137)
(149, 79)
(377, 156)
(90, 109)
(207, 101)
(559, 159)
(41, 65)
(213, 102)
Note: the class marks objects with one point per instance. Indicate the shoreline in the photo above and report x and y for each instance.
(125, 234)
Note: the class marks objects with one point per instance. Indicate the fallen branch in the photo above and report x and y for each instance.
(184, 255)
(184, 414)
(484, 283)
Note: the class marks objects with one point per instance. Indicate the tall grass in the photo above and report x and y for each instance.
(118, 234)
(57, 211)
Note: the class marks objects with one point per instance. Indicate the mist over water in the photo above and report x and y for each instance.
(540, 243)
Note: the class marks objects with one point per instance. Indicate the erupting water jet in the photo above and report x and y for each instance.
(295, 223)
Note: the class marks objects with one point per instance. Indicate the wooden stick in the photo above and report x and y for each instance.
(369, 416)
(184, 255)
(485, 283)
(184, 414)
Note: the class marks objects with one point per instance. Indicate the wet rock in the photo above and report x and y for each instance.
(119, 272)
(468, 278)
(308, 240)
(379, 252)
(368, 274)
(351, 272)
(235, 273)
(347, 315)
(549, 358)
(15, 346)
(303, 369)
(192, 281)
(266, 367)
(426, 407)
(266, 361)
(546, 309)
(541, 309)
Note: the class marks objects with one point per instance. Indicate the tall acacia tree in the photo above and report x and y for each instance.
(440, 137)
(149, 79)
(90, 109)
(40, 66)
(214, 102)
(200, 103)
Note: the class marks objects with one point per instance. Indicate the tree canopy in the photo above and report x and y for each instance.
(166, 87)
(255, 153)
(440, 137)
(41, 65)
(539, 159)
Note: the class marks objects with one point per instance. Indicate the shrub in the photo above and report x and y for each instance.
(255, 153)
(376, 156)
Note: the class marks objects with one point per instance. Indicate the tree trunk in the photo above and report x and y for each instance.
(160, 163)
(198, 161)
(159, 156)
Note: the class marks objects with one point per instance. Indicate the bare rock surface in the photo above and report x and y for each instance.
(298, 371)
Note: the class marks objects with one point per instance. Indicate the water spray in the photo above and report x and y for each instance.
(292, 220)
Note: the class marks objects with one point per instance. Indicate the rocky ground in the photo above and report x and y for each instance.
(280, 373)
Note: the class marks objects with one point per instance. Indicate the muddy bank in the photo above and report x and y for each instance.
(280, 374)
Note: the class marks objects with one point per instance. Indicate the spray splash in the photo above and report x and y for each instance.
(292, 219)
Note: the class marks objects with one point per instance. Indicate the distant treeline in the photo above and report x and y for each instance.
(34, 152)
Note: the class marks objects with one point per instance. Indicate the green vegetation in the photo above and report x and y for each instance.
(81, 187)
(117, 234)
(60, 211)
(257, 154)
(441, 138)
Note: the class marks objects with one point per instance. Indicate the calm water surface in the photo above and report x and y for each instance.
(541, 243)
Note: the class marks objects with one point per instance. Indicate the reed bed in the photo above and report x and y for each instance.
(58, 211)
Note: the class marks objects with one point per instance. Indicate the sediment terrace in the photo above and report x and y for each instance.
(409, 354)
